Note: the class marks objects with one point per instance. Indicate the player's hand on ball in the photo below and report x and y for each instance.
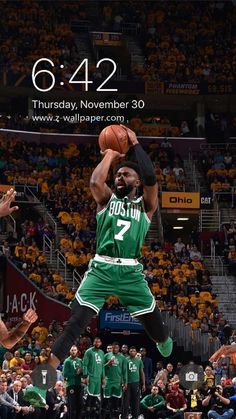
(30, 316)
(131, 135)
(113, 153)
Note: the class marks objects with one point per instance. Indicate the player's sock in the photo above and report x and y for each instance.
(166, 347)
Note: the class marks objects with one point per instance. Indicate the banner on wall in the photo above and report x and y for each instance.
(118, 320)
(20, 295)
(184, 200)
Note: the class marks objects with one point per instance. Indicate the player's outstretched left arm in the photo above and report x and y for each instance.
(9, 338)
(5, 203)
(150, 187)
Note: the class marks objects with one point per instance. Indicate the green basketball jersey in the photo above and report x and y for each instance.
(93, 363)
(70, 368)
(121, 228)
(117, 370)
(134, 367)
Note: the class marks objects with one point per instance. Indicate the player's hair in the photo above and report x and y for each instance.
(115, 343)
(133, 347)
(131, 165)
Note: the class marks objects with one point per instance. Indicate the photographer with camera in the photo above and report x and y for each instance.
(218, 405)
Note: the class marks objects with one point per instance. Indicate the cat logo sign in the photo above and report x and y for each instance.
(185, 200)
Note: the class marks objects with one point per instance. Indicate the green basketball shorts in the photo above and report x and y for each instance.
(121, 277)
(112, 389)
(94, 387)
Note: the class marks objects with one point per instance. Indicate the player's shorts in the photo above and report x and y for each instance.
(112, 389)
(94, 387)
(123, 278)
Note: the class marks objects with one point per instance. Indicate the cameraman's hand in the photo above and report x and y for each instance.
(217, 394)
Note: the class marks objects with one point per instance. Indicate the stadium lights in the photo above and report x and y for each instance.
(182, 219)
(178, 227)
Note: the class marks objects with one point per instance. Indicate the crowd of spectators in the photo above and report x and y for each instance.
(188, 42)
(219, 169)
(157, 126)
(162, 391)
(32, 30)
(25, 250)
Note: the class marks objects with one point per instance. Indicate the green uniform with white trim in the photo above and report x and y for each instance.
(134, 367)
(115, 374)
(93, 368)
(70, 368)
(121, 229)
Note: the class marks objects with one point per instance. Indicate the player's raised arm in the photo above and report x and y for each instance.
(150, 187)
(5, 203)
(100, 190)
(8, 338)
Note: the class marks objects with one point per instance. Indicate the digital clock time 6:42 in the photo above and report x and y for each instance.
(85, 82)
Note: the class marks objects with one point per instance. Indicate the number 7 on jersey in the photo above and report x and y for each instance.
(126, 225)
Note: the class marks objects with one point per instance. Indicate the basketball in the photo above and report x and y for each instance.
(114, 137)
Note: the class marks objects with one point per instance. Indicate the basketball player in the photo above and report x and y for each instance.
(8, 338)
(123, 219)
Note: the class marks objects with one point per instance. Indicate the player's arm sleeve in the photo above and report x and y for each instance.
(145, 166)
(148, 177)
